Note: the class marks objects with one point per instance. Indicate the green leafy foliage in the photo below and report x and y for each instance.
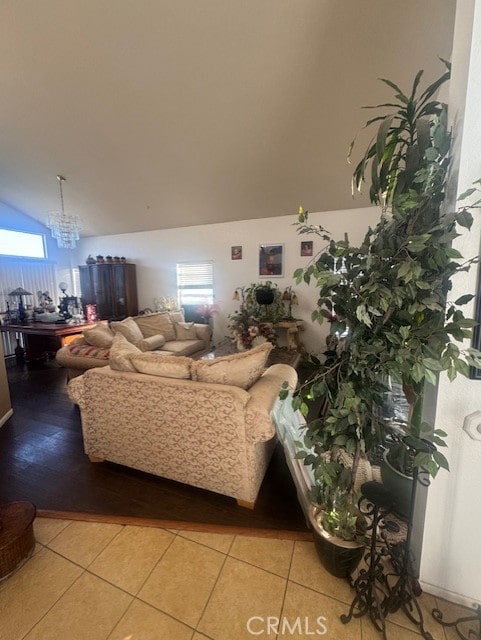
(409, 141)
(388, 299)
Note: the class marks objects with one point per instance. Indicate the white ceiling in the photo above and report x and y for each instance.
(169, 113)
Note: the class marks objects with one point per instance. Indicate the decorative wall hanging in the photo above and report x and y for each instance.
(271, 260)
(236, 253)
(306, 248)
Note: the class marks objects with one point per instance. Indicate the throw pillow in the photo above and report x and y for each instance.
(177, 316)
(89, 351)
(185, 331)
(158, 364)
(240, 369)
(154, 324)
(99, 336)
(121, 353)
(129, 329)
(149, 344)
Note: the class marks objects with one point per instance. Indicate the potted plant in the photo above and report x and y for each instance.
(408, 163)
(205, 312)
(261, 307)
(387, 299)
(248, 331)
(264, 300)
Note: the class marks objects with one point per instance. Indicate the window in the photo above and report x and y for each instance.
(195, 283)
(33, 275)
(21, 244)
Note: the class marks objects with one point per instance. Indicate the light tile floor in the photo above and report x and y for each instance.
(91, 581)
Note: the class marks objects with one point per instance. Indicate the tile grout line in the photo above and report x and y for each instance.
(174, 536)
(287, 582)
(111, 584)
(60, 596)
(226, 555)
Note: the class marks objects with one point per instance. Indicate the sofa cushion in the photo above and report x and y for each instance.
(154, 324)
(183, 347)
(185, 331)
(149, 344)
(129, 329)
(121, 352)
(240, 369)
(156, 364)
(99, 336)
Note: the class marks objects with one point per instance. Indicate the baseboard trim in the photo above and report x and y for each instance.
(180, 525)
(450, 596)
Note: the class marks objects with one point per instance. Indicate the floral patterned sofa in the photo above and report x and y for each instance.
(165, 332)
(206, 423)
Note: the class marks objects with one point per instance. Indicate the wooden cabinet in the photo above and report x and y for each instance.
(112, 288)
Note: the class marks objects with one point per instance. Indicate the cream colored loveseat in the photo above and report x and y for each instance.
(217, 436)
(165, 332)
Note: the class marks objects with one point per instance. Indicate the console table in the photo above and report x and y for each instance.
(292, 330)
(40, 338)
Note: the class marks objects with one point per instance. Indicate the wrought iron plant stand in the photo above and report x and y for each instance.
(388, 583)
(459, 622)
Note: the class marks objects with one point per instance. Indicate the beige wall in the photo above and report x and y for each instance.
(451, 558)
(157, 252)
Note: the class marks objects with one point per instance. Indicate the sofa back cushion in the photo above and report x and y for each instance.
(158, 364)
(185, 331)
(121, 353)
(153, 324)
(240, 369)
(101, 335)
(129, 329)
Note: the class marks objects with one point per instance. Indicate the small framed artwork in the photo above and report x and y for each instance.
(306, 248)
(271, 260)
(236, 253)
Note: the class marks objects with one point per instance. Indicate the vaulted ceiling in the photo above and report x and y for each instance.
(170, 113)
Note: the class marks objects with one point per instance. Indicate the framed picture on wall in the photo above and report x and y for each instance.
(306, 247)
(271, 260)
(236, 253)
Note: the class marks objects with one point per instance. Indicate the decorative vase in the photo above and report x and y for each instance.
(339, 557)
(399, 485)
(265, 295)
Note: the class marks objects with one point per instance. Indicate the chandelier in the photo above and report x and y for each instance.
(65, 228)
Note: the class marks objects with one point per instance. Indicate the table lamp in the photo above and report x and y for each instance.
(19, 291)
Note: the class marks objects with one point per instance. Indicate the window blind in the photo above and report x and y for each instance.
(195, 283)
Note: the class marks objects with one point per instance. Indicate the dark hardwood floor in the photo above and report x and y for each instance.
(42, 461)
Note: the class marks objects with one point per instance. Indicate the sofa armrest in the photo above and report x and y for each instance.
(75, 389)
(203, 332)
(263, 395)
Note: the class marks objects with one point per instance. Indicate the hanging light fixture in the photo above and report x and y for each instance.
(65, 228)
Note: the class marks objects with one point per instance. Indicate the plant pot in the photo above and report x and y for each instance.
(264, 295)
(339, 557)
(398, 484)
